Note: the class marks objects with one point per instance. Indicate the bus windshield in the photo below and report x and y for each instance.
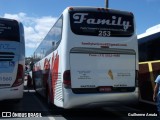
(9, 30)
(104, 23)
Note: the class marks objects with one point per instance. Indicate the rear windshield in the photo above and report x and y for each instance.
(9, 30)
(105, 24)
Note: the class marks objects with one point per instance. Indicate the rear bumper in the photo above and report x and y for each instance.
(11, 93)
(90, 100)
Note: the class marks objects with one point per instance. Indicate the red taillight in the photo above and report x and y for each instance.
(67, 79)
(19, 77)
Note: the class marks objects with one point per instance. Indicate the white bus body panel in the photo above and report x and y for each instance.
(8, 73)
(94, 70)
(11, 93)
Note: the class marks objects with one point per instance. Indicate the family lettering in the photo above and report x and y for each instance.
(114, 21)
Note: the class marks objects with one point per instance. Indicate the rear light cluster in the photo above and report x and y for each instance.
(19, 77)
(67, 79)
(102, 9)
(99, 9)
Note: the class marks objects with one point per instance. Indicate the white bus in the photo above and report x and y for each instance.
(88, 58)
(12, 59)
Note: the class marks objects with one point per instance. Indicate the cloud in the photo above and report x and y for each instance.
(35, 28)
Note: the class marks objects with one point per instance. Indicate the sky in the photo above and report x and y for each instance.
(38, 16)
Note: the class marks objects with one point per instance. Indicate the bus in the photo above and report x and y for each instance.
(88, 58)
(149, 64)
(12, 59)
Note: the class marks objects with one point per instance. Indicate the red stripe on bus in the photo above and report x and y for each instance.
(54, 73)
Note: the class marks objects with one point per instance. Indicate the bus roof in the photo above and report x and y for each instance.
(150, 31)
(76, 8)
(7, 19)
(146, 37)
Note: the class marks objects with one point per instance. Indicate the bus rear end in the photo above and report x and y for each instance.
(12, 59)
(102, 58)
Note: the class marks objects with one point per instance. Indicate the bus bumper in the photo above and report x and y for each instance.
(93, 100)
(11, 93)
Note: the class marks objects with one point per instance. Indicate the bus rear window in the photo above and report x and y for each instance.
(9, 30)
(105, 24)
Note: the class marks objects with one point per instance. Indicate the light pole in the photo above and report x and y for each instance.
(106, 3)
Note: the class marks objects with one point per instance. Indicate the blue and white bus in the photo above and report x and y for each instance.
(12, 59)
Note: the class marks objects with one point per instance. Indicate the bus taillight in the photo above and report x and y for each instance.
(67, 79)
(19, 77)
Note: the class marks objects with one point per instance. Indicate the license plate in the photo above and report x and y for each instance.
(105, 89)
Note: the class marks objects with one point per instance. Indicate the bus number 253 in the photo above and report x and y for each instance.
(104, 33)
